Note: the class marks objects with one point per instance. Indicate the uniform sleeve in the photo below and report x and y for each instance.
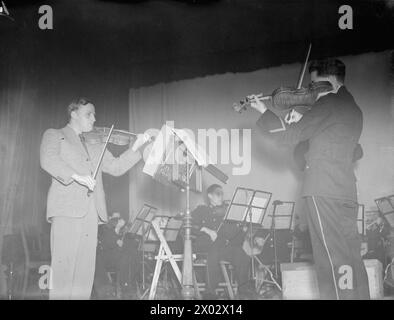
(50, 159)
(119, 166)
(230, 231)
(313, 122)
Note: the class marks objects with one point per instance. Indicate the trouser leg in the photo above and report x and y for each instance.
(215, 254)
(129, 262)
(73, 251)
(86, 257)
(101, 281)
(241, 262)
(64, 246)
(336, 248)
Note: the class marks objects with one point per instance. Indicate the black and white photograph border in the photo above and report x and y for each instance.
(214, 150)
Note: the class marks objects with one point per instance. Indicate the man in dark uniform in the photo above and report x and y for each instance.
(332, 127)
(226, 244)
(117, 253)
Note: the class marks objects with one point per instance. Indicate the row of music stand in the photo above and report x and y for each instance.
(247, 207)
(159, 230)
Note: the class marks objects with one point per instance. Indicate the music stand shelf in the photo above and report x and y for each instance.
(247, 206)
(386, 208)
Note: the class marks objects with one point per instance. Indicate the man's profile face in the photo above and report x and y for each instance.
(84, 117)
(216, 197)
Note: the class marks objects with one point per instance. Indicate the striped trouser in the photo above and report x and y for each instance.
(336, 247)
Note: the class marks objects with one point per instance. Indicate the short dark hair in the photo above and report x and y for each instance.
(329, 67)
(76, 104)
(211, 189)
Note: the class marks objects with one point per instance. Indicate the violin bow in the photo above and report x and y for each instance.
(102, 152)
(302, 74)
(101, 157)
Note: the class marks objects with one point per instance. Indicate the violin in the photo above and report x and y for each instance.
(118, 137)
(102, 135)
(253, 245)
(285, 99)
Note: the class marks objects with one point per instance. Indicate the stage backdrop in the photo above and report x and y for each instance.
(205, 103)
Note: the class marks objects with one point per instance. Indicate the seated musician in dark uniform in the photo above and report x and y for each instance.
(226, 244)
(115, 253)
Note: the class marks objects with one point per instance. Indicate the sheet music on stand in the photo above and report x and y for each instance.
(168, 158)
(142, 222)
(169, 226)
(166, 162)
(386, 208)
(247, 206)
(284, 212)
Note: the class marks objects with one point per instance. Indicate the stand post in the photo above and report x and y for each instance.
(143, 256)
(251, 243)
(273, 230)
(187, 270)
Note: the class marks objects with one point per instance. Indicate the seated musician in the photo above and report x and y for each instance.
(115, 253)
(226, 244)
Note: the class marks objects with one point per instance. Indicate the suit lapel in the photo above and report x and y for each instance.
(74, 140)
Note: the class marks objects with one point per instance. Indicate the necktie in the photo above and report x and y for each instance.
(82, 138)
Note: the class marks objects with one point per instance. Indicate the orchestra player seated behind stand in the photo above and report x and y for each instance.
(119, 254)
(225, 244)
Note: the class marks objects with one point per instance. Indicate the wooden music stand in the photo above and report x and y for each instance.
(165, 234)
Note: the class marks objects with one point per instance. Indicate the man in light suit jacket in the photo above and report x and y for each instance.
(76, 202)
